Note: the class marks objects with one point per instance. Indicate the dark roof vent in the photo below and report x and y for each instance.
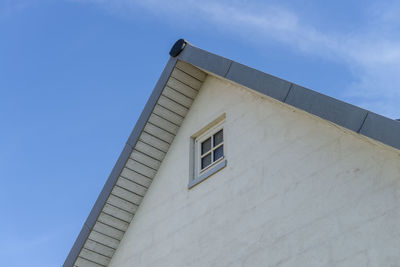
(177, 47)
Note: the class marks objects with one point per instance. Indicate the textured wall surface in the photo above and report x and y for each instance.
(297, 191)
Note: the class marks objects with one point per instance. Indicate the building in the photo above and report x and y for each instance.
(229, 166)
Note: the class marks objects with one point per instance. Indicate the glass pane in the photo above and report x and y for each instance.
(205, 161)
(219, 153)
(206, 146)
(218, 138)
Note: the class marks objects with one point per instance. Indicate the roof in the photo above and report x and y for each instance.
(159, 122)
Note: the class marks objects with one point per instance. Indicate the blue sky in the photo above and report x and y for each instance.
(75, 75)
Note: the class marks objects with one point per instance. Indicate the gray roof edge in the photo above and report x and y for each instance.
(97, 207)
(326, 107)
(205, 60)
(354, 118)
(118, 167)
(76, 248)
(151, 102)
(381, 128)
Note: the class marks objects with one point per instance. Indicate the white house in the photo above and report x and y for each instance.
(230, 166)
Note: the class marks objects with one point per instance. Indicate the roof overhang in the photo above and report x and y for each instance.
(159, 122)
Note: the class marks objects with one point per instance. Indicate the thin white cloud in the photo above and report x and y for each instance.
(372, 54)
(10, 7)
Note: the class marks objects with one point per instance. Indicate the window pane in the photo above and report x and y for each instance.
(205, 161)
(219, 153)
(206, 146)
(218, 138)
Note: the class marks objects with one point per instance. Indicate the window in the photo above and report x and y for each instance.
(208, 151)
(211, 149)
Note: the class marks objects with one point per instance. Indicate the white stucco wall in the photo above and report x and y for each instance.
(297, 191)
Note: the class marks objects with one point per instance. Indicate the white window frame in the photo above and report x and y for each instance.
(198, 141)
(197, 174)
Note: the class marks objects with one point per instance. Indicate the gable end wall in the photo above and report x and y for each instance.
(297, 191)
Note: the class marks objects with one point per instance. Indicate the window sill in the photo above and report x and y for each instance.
(208, 173)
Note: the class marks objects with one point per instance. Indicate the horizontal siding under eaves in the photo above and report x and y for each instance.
(142, 165)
